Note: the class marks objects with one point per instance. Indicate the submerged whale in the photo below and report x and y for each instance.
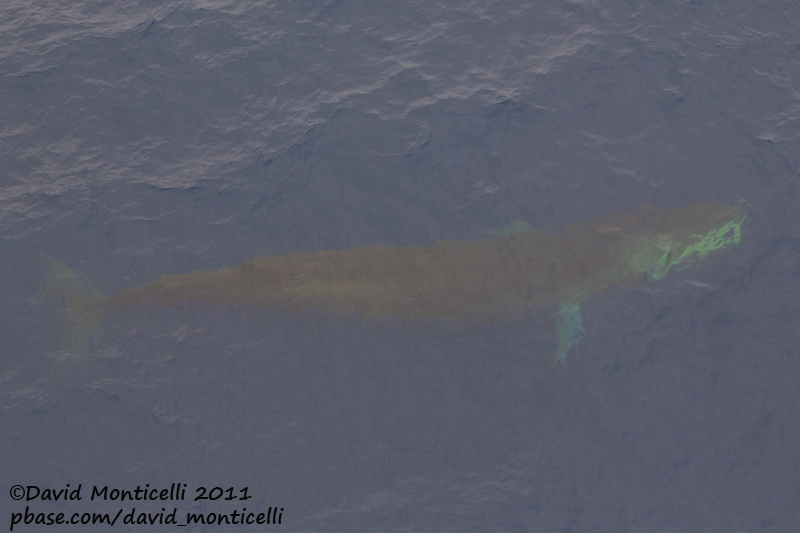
(484, 280)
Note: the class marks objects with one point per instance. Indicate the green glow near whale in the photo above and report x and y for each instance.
(492, 279)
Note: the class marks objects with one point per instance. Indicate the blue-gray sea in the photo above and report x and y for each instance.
(145, 138)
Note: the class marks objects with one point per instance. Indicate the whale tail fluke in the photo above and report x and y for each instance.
(81, 303)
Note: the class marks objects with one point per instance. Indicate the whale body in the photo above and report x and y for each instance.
(484, 280)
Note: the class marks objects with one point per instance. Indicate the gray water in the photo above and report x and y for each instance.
(139, 139)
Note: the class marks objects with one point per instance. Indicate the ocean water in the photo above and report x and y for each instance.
(143, 139)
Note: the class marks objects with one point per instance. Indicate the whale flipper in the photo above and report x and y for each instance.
(569, 328)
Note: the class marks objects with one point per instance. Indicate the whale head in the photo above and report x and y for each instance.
(670, 238)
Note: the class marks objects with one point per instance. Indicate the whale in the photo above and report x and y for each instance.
(495, 278)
